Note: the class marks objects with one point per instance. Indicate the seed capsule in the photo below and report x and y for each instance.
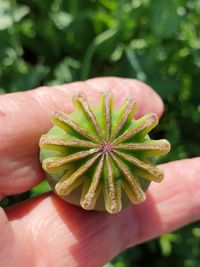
(101, 158)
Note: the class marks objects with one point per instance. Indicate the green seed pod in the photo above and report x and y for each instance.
(101, 158)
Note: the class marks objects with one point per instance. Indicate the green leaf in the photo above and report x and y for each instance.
(39, 189)
(164, 19)
(62, 19)
(10, 13)
(104, 44)
(66, 70)
(165, 87)
(5, 15)
(20, 12)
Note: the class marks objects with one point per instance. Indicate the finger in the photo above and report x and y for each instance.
(146, 97)
(70, 236)
(171, 204)
(25, 116)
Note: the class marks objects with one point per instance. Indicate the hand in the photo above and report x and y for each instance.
(46, 231)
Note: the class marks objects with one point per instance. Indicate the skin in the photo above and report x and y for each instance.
(46, 231)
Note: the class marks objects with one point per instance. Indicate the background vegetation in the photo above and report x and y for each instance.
(156, 41)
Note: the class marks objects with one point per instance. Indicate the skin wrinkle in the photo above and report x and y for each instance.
(26, 244)
(117, 239)
(5, 148)
(11, 136)
(141, 214)
(12, 168)
(131, 223)
(61, 234)
(190, 186)
(40, 97)
(182, 211)
(41, 257)
(81, 234)
(51, 102)
(175, 170)
(108, 232)
(187, 188)
(13, 106)
(168, 214)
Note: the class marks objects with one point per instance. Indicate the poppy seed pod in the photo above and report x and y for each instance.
(101, 158)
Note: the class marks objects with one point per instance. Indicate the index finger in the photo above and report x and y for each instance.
(25, 116)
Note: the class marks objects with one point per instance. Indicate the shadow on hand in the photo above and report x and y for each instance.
(100, 236)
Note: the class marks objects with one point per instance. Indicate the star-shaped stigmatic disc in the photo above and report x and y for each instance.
(102, 151)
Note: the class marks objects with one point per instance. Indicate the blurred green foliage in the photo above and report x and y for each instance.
(156, 41)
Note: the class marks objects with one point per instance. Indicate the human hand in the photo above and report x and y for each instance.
(46, 231)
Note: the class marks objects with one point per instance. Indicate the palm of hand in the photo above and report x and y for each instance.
(45, 231)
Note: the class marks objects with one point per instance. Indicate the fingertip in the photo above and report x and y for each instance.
(148, 100)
